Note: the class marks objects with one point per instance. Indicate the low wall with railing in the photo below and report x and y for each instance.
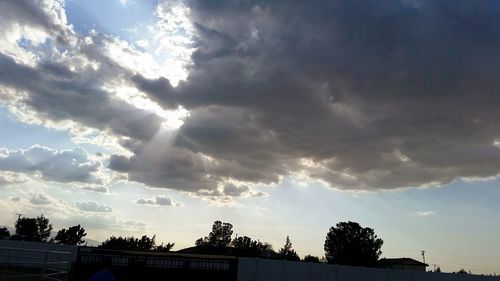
(137, 265)
(20, 260)
(72, 250)
(251, 269)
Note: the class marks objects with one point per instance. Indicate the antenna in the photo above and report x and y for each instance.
(423, 255)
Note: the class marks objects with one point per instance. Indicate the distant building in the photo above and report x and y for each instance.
(402, 263)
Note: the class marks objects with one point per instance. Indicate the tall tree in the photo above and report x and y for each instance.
(33, 229)
(220, 236)
(350, 244)
(44, 228)
(287, 252)
(73, 236)
(4, 233)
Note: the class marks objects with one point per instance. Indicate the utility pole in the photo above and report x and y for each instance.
(423, 255)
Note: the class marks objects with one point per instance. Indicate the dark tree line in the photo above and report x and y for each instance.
(39, 229)
(347, 243)
(220, 237)
(135, 244)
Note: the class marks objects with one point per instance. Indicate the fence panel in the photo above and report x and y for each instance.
(250, 269)
(29, 264)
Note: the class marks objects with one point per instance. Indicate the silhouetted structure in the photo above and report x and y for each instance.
(402, 263)
(141, 265)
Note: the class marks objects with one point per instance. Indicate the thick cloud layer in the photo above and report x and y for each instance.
(360, 94)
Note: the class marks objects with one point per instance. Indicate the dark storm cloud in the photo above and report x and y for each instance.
(374, 94)
(360, 94)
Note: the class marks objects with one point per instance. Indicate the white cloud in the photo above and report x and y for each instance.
(425, 213)
(11, 178)
(94, 188)
(159, 201)
(92, 206)
(62, 166)
(39, 199)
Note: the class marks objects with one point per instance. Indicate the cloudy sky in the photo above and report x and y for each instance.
(281, 117)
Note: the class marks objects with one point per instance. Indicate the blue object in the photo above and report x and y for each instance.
(102, 276)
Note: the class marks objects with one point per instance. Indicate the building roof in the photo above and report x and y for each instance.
(406, 261)
(177, 254)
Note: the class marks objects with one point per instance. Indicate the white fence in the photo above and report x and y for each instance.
(250, 269)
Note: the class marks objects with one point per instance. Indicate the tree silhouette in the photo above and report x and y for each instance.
(44, 228)
(73, 236)
(252, 248)
(129, 243)
(350, 244)
(33, 229)
(309, 258)
(244, 242)
(164, 248)
(287, 252)
(4, 233)
(266, 250)
(220, 236)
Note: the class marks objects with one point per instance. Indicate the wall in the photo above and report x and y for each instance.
(250, 269)
(35, 253)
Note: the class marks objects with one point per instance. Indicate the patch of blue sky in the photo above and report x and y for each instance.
(112, 17)
(17, 135)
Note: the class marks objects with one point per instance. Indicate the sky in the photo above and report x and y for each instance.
(281, 117)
